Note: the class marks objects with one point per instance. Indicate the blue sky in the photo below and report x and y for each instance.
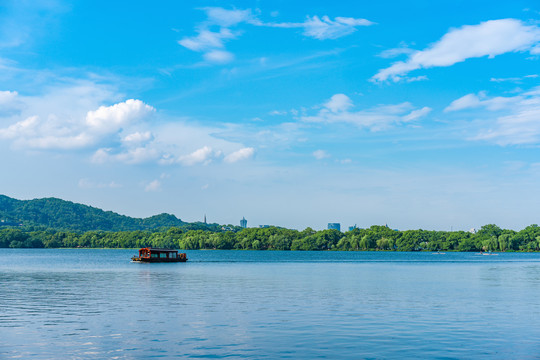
(417, 115)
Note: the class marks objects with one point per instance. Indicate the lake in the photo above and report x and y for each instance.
(97, 304)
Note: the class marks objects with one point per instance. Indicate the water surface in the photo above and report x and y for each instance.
(96, 304)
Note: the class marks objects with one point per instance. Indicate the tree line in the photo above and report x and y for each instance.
(488, 238)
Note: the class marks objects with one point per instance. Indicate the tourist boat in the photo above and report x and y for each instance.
(159, 255)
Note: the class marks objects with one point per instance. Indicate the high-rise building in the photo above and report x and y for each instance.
(335, 226)
(243, 223)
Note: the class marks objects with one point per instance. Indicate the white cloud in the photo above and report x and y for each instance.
(101, 156)
(325, 28)
(36, 133)
(514, 79)
(207, 40)
(89, 184)
(7, 97)
(490, 38)
(278, 113)
(168, 144)
(136, 155)
(381, 117)
(521, 127)
(212, 43)
(471, 101)
(218, 56)
(137, 137)
(465, 102)
(338, 103)
(24, 127)
(153, 186)
(242, 154)
(203, 155)
(320, 154)
(9, 102)
(392, 53)
(67, 131)
(108, 119)
(416, 78)
(228, 18)
(517, 119)
(417, 114)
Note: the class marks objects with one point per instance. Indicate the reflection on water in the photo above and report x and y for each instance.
(95, 304)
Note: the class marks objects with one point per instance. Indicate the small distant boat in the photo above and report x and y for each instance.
(487, 253)
(156, 255)
(438, 253)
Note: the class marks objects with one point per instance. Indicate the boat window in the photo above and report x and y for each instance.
(163, 255)
(154, 255)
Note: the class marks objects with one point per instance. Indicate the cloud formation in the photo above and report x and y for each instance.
(320, 154)
(325, 28)
(211, 44)
(471, 101)
(489, 38)
(7, 97)
(54, 132)
(112, 118)
(204, 155)
(517, 118)
(338, 110)
(89, 184)
(239, 155)
(211, 41)
(137, 137)
(153, 186)
(71, 118)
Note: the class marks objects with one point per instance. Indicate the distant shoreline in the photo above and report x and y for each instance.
(273, 250)
(490, 238)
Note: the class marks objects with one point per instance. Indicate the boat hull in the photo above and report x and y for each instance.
(154, 260)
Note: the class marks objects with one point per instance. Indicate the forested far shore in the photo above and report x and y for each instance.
(488, 238)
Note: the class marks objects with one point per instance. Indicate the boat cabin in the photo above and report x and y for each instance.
(159, 255)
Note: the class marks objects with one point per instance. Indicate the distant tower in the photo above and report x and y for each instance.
(335, 226)
(205, 218)
(243, 223)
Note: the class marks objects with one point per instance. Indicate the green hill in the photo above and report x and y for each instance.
(55, 213)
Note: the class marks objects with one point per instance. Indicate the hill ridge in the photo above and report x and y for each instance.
(55, 213)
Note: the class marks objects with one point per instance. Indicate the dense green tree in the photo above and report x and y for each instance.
(468, 244)
(490, 230)
(280, 241)
(14, 238)
(410, 240)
